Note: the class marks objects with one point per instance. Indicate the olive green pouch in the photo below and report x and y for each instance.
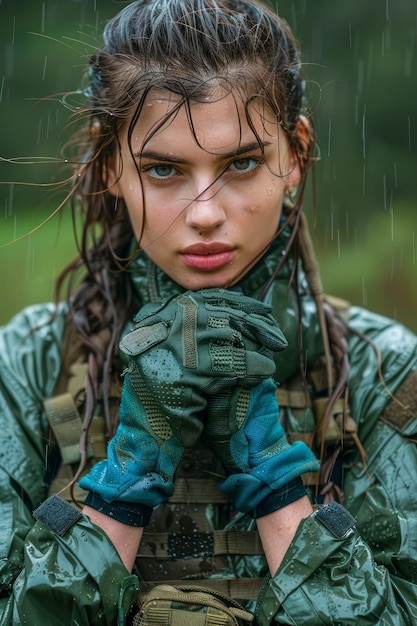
(166, 605)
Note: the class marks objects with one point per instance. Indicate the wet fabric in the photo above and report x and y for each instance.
(367, 576)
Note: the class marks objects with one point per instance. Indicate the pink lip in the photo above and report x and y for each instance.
(210, 256)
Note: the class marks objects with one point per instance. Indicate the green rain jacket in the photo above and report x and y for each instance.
(366, 574)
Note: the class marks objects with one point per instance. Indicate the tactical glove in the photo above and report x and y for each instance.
(244, 433)
(202, 342)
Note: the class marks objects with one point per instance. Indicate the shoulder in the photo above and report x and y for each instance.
(30, 347)
(382, 355)
(372, 334)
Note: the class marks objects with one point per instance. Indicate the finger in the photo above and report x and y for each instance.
(265, 331)
(235, 300)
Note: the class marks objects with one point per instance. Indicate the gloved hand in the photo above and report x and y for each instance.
(144, 454)
(244, 432)
(181, 350)
(203, 342)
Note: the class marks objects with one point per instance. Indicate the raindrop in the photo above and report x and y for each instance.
(392, 224)
(331, 219)
(44, 67)
(10, 202)
(363, 131)
(364, 292)
(43, 17)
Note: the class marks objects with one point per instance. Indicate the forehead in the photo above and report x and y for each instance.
(219, 122)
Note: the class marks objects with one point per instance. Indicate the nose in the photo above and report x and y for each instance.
(206, 211)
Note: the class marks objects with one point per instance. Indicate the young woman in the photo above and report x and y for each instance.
(195, 257)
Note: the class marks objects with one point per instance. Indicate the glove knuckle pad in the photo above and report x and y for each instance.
(144, 338)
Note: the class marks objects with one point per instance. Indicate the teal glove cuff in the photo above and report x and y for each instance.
(142, 457)
(129, 514)
(251, 443)
(293, 491)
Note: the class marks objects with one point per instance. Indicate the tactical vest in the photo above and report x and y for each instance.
(190, 537)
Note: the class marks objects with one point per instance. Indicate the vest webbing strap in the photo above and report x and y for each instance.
(193, 545)
(236, 588)
(97, 438)
(66, 424)
(294, 398)
(200, 490)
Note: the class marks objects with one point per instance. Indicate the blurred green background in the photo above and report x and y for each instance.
(361, 68)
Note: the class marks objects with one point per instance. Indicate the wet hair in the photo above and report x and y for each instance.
(191, 48)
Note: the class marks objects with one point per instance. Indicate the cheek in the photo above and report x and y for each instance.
(136, 214)
(265, 200)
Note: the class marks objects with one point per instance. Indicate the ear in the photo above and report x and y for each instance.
(111, 176)
(299, 152)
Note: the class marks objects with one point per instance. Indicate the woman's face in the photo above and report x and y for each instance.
(203, 210)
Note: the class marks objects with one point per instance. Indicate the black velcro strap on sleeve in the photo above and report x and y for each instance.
(336, 519)
(57, 514)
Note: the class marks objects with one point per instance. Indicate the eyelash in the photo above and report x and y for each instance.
(167, 179)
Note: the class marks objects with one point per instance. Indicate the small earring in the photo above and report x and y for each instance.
(292, 194)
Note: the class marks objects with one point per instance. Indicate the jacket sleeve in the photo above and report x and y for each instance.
(71, 573)
(47, 576)
(366, 572)
(329, 577)
(29, 365)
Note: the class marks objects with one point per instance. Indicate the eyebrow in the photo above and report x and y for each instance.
(250, 147)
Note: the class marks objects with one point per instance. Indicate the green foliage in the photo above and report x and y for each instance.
(31, 265)
(375, 268)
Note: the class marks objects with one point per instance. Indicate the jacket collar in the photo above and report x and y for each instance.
(150, 283)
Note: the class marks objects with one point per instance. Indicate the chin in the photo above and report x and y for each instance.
(207, 282)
